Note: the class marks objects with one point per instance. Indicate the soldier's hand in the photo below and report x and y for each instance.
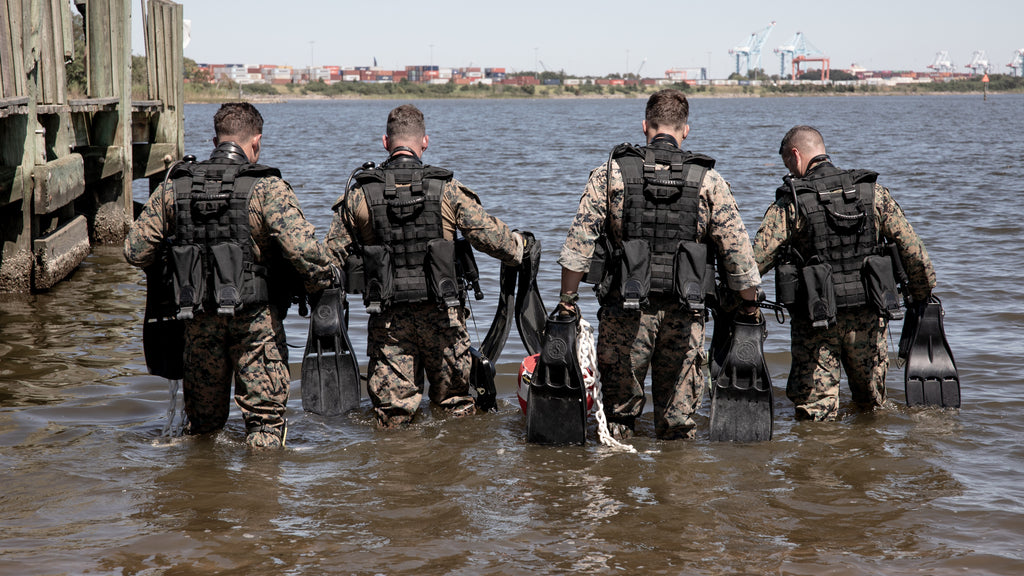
(567, 304)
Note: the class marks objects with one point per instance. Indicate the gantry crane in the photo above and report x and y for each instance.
(798, 47)
(979, 63)
(1017, 64)
(750, 51)
(942, 63)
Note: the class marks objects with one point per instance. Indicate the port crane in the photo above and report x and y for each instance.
(1017, 64)
(942, 63)
(979, 63)
(750, 51)
(799, 47)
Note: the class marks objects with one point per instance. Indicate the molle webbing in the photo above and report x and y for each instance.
(839, 207)
(211, 201)
(405, 209)
(660, 204)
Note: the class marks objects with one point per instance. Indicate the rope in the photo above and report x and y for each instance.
(586, 352)
(176, 418)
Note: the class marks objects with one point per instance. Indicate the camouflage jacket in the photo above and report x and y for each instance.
(892, 224)
(460, 210)
(718, 219)
(274, 218)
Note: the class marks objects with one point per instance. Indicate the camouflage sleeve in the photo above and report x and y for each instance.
(461, 208)
(727, 232)
(352, 214)
(893, 225)
(588, 223)
(773, 233)
(279, 219)
(150, 228)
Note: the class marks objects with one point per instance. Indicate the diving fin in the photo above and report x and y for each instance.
(163, 335)
(330, 370)
(741, 385)
(485, 358)
(529, 308)
(556, 410)
(930, 377)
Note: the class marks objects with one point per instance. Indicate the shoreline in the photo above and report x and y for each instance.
(284, 98)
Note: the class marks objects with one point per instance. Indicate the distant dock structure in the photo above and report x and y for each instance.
(67, 164)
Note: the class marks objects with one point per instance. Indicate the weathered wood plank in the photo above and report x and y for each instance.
(57, 254)
(57, 183)
(101, 162)
(150, 159)
(12, 187)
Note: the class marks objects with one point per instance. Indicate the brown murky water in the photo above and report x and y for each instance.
(91, 487)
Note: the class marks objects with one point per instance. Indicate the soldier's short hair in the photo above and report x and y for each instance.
(667, 109)
(406, 122)
(238, 119)
(803, 138)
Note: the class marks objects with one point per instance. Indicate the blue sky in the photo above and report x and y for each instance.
(594, 37)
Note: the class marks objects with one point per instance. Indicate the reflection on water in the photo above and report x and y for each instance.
(90, 486)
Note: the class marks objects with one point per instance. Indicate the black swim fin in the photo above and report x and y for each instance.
(741, 385)
(556, 405)
(486, 356)
(163, 335)
(930, 378)
(529, 308)
(330, 370)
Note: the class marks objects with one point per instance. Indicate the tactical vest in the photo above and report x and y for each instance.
(660, 202)
(841, 228)
(211, 251)
(404, 199)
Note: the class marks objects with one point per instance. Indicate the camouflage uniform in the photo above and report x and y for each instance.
(407, 339)
(249, 346)
(665, 334)
(858, 339)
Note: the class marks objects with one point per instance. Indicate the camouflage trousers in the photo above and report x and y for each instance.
(666, 338)
(406, 341)
(248, 347)
(858, 343)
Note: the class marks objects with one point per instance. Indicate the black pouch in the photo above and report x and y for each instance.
(379, 275)
(689, 274)
(228, 265)
(636, 274)
(821, 294)
(598, 262)
(466, 268)
(787, 283)
(355, 274)
(441, 272)
(880, 285)
(189, 281)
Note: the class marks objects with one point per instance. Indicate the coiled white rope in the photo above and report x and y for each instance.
(586, 353)
(176, 418)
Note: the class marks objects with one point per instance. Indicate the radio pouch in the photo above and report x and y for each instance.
(355, 279)
(636, 274)
(189, 281)
(379, 276)
(441, 272)
(821, 296)
(880, 285)
(228, 265)
(689, 273)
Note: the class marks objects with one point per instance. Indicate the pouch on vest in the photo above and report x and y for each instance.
(636, 273)
(189, 280)
(466, 269)
(787, 283)
(880, 285)
(689, 274)
(441, 272)
(379, 274)
(598, 262)
(228, 265)
(821, 295)
(355, 279)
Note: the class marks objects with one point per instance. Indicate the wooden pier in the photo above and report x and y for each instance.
(67, 165)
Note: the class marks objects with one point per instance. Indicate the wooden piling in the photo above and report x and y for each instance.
(67, 165)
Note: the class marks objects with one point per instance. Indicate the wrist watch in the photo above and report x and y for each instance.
(568, 297)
